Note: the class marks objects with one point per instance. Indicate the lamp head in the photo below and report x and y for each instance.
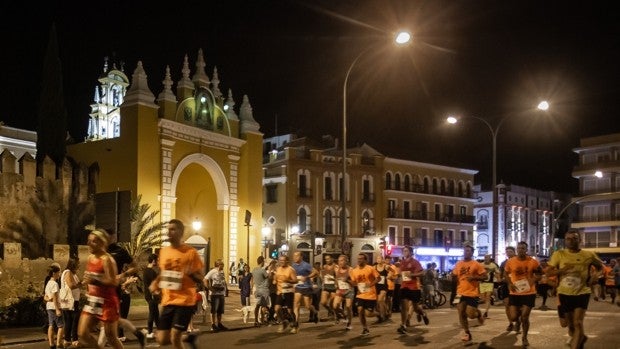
(402, 37)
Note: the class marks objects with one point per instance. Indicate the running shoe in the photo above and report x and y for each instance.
(214, 328)
(190, 340)
(222, 327)
(402, 329)
(294, 330)
(365, 332)
(349, 327)
(419, 317)
(466, 337)
(425, 318)
(141, 337)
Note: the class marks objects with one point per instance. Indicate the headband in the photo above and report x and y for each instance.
(101, 234)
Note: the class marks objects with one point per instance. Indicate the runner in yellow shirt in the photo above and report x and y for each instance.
(572, 266)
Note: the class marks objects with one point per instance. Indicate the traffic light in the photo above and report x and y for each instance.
(389, 250)
(273, 252)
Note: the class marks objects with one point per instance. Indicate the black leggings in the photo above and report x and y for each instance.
(71, 319)
(153, 315)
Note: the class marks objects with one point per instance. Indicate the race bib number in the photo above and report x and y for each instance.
(170, 280)
(328, 280)
(287, 288)
(300, 280)
(572, 282)
(406, 276)
(343, 285)
(381, 280)
(362, 287)
(94, 305)
(522, 285)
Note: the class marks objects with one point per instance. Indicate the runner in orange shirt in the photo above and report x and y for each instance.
(364, 277)
(181, 269)
(285, 279)
(469, 273)
(522, 273)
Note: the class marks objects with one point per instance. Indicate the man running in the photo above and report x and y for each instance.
(503, 292)
(285, 279)
(410, 293)
(469, 273)
(572, 266)
(180, 267)
(522, 273)
(328, 277)
(344, 291)
(364, 277)
(384, 270)
(486, 286)
(303, 289)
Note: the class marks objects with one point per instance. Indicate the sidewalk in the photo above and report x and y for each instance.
(232, 318)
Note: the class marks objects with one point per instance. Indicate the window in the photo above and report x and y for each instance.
(392, 236)
(366, 190)
(438, 238)
(366, 222)
(437, 212)
(407, 183)
(426, 185)
(391, 208)
(302, 186)
(442, 189)
(329, 224)
(406, 209)
(397, 181)
(302, 220)
(329, 195)
(272, 193)
(435, 186)
(388, 181)
(407, 236)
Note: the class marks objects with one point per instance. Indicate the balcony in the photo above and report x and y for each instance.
(431, 216)
(368, 197)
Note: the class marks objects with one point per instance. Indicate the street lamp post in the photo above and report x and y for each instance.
(266, 232)
(401, 38)
(543, 105)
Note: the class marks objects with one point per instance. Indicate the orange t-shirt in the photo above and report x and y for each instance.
(610, 279)
(284, 279)
(521, 274)
(176, 265)
(464, 269)
(365, 279)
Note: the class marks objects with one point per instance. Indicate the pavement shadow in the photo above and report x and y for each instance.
(358, 342)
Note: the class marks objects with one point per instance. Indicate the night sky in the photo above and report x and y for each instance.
(490, 59)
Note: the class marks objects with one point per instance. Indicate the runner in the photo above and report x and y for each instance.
(328, 276)
(364, 277)
(544, 285)
(522, 273)
(410, 293)
(486, 286)
(384, 270)
(303, 288)
(344, 292)
(285, 278)
(503, 292)
(180, 269)
(469, 273)
(572, 266)
(102, 299)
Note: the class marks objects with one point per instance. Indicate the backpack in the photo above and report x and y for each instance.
(65, 296)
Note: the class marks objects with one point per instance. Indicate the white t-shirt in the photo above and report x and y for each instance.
(50, 289)
(76, 291)
(218, 281)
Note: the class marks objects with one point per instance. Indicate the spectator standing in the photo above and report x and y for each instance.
(52, 306)
(240, 268)
(260, 278)
(71, 316)
(148, 276)
(245, 286)
(232, 270)
(215, 282)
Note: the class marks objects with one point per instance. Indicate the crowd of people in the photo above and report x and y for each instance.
(274, 293)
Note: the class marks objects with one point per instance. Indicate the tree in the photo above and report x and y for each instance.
(145, 235)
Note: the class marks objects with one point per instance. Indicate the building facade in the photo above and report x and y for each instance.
(524, 214)
(188, 154)
(396, 201)
(598, 203)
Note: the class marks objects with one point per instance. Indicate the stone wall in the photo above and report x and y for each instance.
(24, 277)
(44, 204)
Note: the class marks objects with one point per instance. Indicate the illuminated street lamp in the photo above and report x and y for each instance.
(401, 38)
(544, 106)
(266, 232)
(196, 225)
